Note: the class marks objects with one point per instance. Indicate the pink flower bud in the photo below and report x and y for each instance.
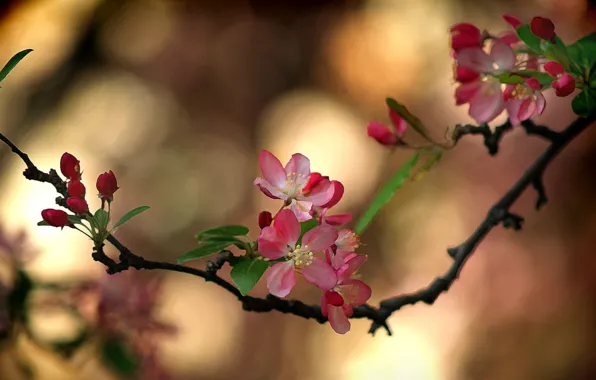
(69, 166)
(382, 133)
(107, 185)
(543, 28)
(512, 20)
(554, 69)
(77, 205)
(465, 36)
(76, 189)
(56, 218)
(564, 86)
(265, 219)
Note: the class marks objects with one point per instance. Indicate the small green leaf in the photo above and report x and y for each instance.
(43, 223)
(75, 219)
(509, 78)
(532, 41)
(217, 239)
(582, 54)
(410, 119)
(386, 193)
(203, 250)
(223, 231)
(129, 215)
(246, 272)
(430, 163)
(584, 103)
(102, 218)
(11, 64)
(119, 357)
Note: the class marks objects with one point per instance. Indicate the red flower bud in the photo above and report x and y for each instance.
(77, 205)
(76, 189)
(564, 86)
(465, 75)
(56, 218)
(107, 185)
(382, 133)
(265, 219)
(69, 166)
(543, 28)
(465, 36)
(334, 298)
(512, 20)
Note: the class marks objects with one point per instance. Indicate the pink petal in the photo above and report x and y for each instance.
(513, 107)
(339, 259)
(355, 292)
(337, 219)
(301, 210)
(464, 75)
(399, 124)
(503, 55)
(352, 265)
(287, 224)
(554, 69)
(272, 169)
(487, 103)
(465, 92)
(337, 319)
(509, 38)
(475, 59)
(526, 109)
(381, 133)
(564, 86)
(281, 278)
(300, 165)
(338, 193)
(320, 274)
(540, 103)
(269, 190)
(320, 238)
(348, 310)
(324, 304)
(271, 244)
(512, 20)
(321, 194)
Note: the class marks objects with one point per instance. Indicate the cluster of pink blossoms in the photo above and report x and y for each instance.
(309, 196)
(478, 71)
(70, 167)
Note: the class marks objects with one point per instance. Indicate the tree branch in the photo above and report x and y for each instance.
(498, 214)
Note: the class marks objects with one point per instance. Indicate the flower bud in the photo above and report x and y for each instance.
(543, 28)
(265, 219)
(56, 218)
(382, 133)
(334, 298)
(465, 36)
(69, 166)
(77, 205)
(76, 189)
(512, 20)
(107, 185)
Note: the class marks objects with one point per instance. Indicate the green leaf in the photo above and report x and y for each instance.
(246, 272)
(119, 357)
(509, 78)
(42, 223)
(386, 193)
(532, 41)
(217, 239)
(11, 64)
(75, 219)
(584, 103)
(410, 119)
(203, 250)
(430, 163)
(582, 54)
(517, 77)
(129, 215)
(557, 52)
(102, 218)
(223, 231)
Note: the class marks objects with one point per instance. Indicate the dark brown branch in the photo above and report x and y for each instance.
(498, 214)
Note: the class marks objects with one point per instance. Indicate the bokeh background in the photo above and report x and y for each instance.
(179, 97)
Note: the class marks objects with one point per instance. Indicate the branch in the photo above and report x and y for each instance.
(498, 214)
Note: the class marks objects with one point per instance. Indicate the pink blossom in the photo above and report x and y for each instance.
(289, 183)
(337, 302)
(280, 240)
(524, 100)
(565, 83)
(485, 98)
(500, 60)
(388, 135)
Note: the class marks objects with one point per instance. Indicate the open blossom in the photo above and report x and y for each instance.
(280, 240)
(388, 135)
(500, 60)
(524, 100)
(290, 184)
(565, 83)
(338, 301)
(484, 97)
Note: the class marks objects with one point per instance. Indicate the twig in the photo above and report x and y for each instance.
(498, 214)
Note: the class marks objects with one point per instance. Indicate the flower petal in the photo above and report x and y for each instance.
(272, 169)
(475, 59)
(465, 92)
(320, 274)
(337, 319)
(554, 69)
(355, 292)
(271, 244)
(281, 278)
(269, 190)
(287, 224)
(337, 219)
(503, 55)
(540, 103)
(338, 193)
(352, 265)
(300, 165)
(322, 194)
(381, 133)
(487, 103)
(320, 238)
(513, 110)
(399, 124)
(301, 209)
(526, 109)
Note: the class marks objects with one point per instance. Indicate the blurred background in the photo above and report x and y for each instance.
(178, 97)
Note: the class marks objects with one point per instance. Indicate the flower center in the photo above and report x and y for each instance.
(521, 92)
(349, 241)
(301, 255)
(295, 182)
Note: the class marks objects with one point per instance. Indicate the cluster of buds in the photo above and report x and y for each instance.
(506, 77)
(308, 197)
(70, 167)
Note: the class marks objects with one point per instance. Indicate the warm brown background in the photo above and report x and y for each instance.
(178, 97)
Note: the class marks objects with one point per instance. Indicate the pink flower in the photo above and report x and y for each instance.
(386, 135)
(524, 100)
(77, 205)
(107, 185)
(485, 98)
(543, 28)
(512, 20)
(70, 166)
(280, 241)
(347, 240)
(565, 83)
(55, 218)
(337, 302)
(289, 184)
(465, 36)
(501, 59)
